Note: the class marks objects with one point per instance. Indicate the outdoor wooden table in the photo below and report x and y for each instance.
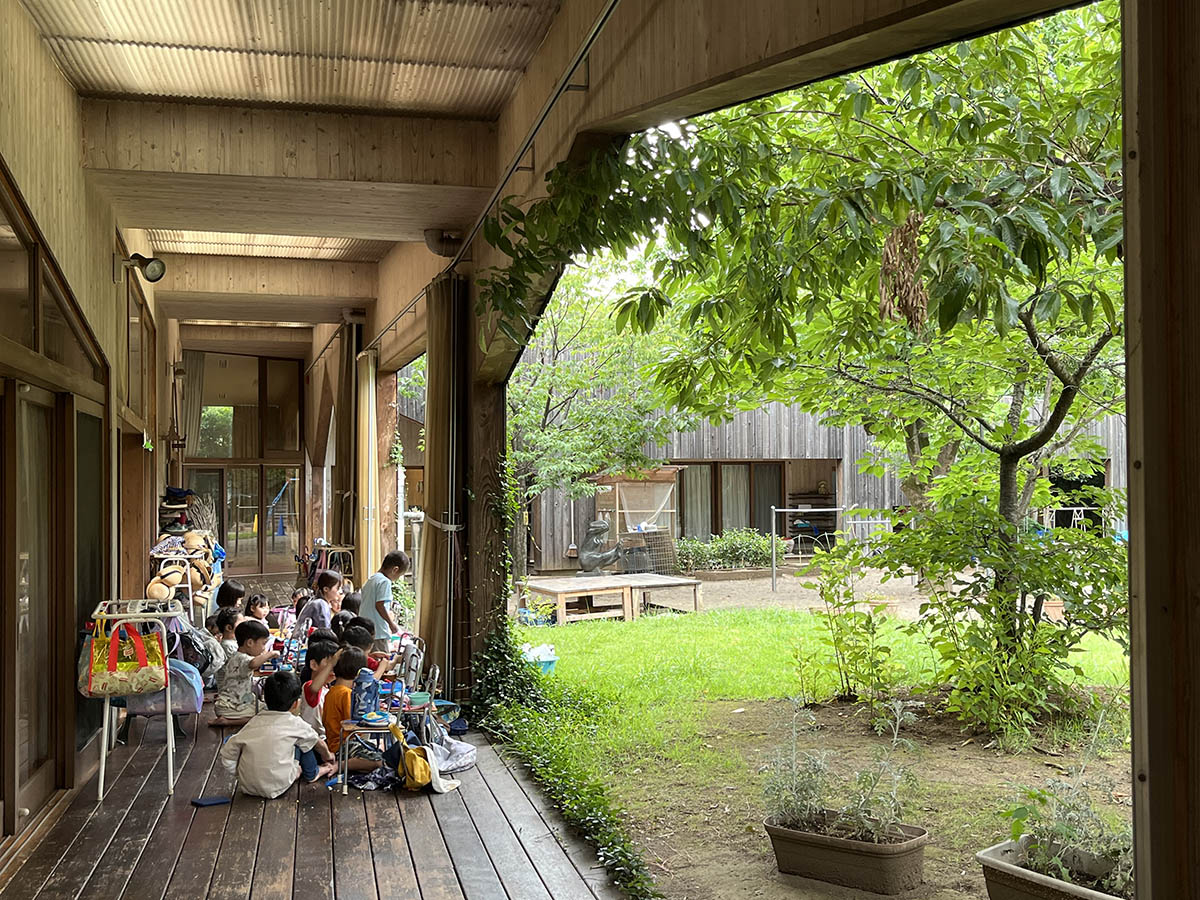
(562, 589)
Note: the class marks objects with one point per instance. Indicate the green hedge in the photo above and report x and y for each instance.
(738, 548)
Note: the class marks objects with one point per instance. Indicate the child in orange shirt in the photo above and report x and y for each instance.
(363, 755)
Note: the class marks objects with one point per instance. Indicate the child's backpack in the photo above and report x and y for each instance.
(364, 696)
(196, 648)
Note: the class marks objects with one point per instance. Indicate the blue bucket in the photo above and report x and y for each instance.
(546, 665)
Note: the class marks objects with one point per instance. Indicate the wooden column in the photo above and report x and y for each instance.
(1162, 135)
(487, 541)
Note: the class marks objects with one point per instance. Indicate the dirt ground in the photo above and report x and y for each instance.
(703, 836)
(900, 594)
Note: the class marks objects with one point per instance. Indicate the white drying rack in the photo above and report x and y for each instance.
(112, 614)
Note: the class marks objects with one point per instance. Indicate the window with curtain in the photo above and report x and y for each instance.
(735, 496)
(695, 484)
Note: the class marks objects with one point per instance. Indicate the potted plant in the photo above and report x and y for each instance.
(860, 843)
(1062, 848)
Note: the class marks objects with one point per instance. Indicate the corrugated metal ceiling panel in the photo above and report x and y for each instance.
(453, 57)
(221, 243)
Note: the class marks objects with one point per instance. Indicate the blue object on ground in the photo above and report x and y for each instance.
(547, 665)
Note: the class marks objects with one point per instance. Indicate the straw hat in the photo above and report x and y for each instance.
(170, 577)
(193, 541)
(156, 590)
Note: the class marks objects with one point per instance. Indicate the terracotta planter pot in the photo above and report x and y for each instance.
(880, 868)
(1008, 879)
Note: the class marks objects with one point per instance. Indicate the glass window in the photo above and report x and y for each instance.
(282, 537)
(229, 408)
(735, 496)
(16, 306)
(35, 449)
(768, 484)
(241, 519)
(134, 373)
(283, 404)
(60, 341)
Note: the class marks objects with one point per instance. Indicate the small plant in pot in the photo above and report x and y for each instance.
(1062, 848)
(844, 831)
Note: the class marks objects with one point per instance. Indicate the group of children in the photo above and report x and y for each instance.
(300, 731)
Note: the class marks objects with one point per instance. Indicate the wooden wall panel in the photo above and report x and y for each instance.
(235, 140)
(40, 137)
(403, 273)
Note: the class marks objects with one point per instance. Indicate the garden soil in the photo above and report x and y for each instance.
(701, 832)
(900, 594)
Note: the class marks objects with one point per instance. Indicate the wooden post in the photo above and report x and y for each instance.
(486, 539)
(1162, 137)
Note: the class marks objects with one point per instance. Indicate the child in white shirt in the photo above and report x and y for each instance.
(276, 747)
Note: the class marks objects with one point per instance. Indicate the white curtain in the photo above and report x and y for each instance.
(193, 399)
(367, 524)
(735, 497)
(697, 502)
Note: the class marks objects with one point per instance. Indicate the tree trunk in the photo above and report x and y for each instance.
(1006, 591)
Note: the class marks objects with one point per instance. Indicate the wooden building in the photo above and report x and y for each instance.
(304, 170)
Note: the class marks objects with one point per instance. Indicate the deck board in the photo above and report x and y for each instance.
(152, 870)
(489, 840)
(277, 848)
(34, 871)
(113, 869)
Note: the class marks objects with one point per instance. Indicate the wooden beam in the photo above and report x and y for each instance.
(287, 343)
(237, 307)
(1162, 143)
(265, 205)
(206, 139)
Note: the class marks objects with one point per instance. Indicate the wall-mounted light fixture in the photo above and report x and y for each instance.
(152, 268)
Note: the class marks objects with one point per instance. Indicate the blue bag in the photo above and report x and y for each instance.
(364, 696)
(187, 693)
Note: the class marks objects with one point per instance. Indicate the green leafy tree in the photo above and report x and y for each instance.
(580, 402)
(931, 246)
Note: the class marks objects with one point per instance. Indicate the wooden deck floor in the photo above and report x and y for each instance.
(493, 838)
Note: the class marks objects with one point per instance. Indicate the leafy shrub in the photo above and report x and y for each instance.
(858, 656)
(1007, 665)
(404, 604)
(737, 548)
(545, 721)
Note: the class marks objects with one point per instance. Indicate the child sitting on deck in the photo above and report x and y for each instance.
(315, 678)
(358, 634)
(363, 755)
(257, 607)
(235, 702)
(229, 595)
(276, 746)
(226, 621)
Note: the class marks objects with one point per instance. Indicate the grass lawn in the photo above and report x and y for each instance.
(691, 706)
(658, 670)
